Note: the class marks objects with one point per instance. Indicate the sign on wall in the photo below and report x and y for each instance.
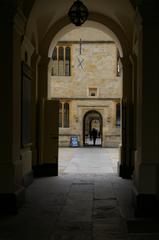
(74, 141)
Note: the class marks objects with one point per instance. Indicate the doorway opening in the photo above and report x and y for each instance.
(92, 129)
(85, 75)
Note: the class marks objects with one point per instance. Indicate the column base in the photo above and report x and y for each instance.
(46, 170)
(124, 171)
(28, 179)
(146, 205)
(10, 202)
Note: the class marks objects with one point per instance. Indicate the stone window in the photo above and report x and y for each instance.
(61, 61)
(118, 66)
(67, 62)
(60, 115)
(64, 115)
(118, 113)
(92, 92)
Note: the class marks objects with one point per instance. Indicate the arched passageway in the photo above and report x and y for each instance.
(92, 120)
(94, 84)
(28, 28)
(105, 24)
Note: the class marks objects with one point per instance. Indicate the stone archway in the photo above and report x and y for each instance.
(121, 41)
(92, 119)
(144, 148)
(104, 23)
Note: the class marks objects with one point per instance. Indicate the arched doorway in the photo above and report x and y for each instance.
(86, 90)
(92, 120)
(101, 22)
(131, 100)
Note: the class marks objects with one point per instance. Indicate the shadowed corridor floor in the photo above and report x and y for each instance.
(78, 204)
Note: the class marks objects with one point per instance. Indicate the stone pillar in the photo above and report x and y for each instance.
(49, 86)
(11, 30)
(43, 77)
(146, 190)
(42, 96)
(27, 50)
(35, 133)
(125, 167)
(134, 109)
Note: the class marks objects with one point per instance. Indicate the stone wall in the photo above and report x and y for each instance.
(78, 109)
(98, 71)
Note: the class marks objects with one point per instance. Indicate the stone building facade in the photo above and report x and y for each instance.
(85, 74)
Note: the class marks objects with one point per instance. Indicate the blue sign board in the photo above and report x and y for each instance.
(74, 141)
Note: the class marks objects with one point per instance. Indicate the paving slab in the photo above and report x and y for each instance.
(81, 205)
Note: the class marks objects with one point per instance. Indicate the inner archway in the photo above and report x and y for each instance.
(105, 24)
(47, 29)
(85, 75)
(92, 120)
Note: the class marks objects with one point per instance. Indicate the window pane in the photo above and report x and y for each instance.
(118, 114)
(54, 55)
(118, 67)
(60, 115)
(92, 92)
(67, 68)
(55, 63)
(67, 62)
(61, 62)
(66, 115)
(68, 53)
(61, 53)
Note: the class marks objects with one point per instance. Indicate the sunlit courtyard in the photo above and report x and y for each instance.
(91, 160)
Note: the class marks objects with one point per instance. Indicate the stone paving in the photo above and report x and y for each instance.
(75, 206)
(91, 160)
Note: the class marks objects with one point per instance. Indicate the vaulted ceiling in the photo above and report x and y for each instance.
(45, 13)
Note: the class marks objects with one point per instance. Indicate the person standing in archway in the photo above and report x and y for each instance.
(94, 135)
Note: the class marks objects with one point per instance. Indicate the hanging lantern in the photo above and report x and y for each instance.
(78, 13)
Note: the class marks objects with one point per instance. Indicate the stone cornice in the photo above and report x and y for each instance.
(86, 42)
(87, 99)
